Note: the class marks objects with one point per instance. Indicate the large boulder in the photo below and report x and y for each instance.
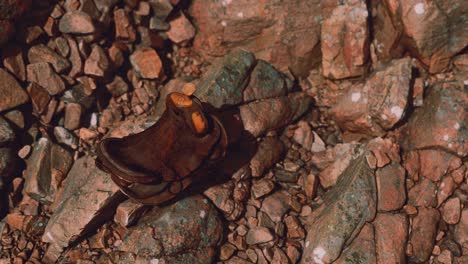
(285, 33)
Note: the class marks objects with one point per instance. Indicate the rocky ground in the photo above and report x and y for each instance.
(357, 109)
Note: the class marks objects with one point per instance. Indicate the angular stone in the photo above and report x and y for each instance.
(73, 113)
(435, 29)
(76, 22)
(147, 63)
(261, 116)
(276, 205)
(379, 104)
(97, 64)
(181, 29)
(345, 41)
(391, 191)
(129, 212)
(423, 234)
(75, 58)
(362, 249)
(124, 30)
(43, 74)
(7, 163)
(279, 256)
(13, 60)
(11, 92)
(269, 151)
(352, 198)
(221, 196)
(47, 164)
(294, 227)
(117, 87)
(259, 235)
(391, 236)
(262, 187)
(224, 82)
(63, 136)
(440, 122)
(333, 162)
(445, 189)
(284, 33)
(40, 98)
(423, 194)
(42, 53)
(184, 232)
(451, 211)
(461, 229)
(7, 135)
(87, 198)
(435, 163)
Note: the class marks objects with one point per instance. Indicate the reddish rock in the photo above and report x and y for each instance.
(333, 162)
(116, 54)
(276, 205)
(445, 189)
(97, 64)
(345, 41)
(45, 168)
(11, 92)
(75, 58)
(435, 163)
(124, 30)
(13, 60)
(147, 63)
(181, 29)
(117, 87)
(423, 233)
(391, 191)
(412, 164)
(279, 256)
(42, 53)
(89, 189)
(451, 211)
(76, 22)
(391, 235)
(377, 105)
(129, 212)
(310, 184)
(261, 28)
(262, 187)
(294, 227)
(259, 235)
(262, 116)
(440, 122)
(461, 229)
(39, 97)
(226, 251)
(422, 22)
(386, 33)
(73, 113)
(352, 198)
(423, 194)
(221, 196)
(269, 151)
(43, 74)
(362, 249)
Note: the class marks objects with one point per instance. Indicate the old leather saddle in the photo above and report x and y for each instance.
(155, 165)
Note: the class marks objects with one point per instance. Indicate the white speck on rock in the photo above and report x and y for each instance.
(226, 2)
(202, 213)
(223, 23)
(397, 111)
(154, 261)
(446, 137)
(307, 244)
(456, 126)
(419, 8)
(355, 97)
(240, 14)
(465, 82)
(318, 255)
(384, 116)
